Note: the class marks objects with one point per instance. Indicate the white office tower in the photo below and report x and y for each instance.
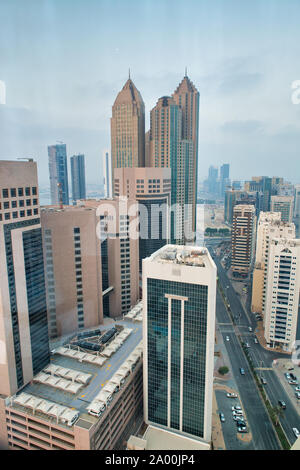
(179, 298)
(107, 174)
(282, 293)
(269, 226)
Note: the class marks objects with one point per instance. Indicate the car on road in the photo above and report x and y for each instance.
(242, 371)
(247, 345)
(236, 408)
(296, 432)
(297, 395)
(231, 395)
(222, 417)
(255, 340)
(227, 338)
(282, 404)
(263, 381)
(250, 329)
(237, 413)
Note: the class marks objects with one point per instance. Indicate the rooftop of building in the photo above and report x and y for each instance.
(182, 255)
(79, 380)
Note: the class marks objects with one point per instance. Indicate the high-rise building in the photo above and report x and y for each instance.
(167, 149)
(58, 173)
(269, 226)
(231, 197)
(282, 293)
(24, 348)
(187, 97)
(211, 185)
(128, 128)
(297, 202)
(107, 174)
(72, 255)
(262, 184)
(117, 228)
(242, 239)
(78, 177)
(151, 188)
(179, 295)
(284, 205)
(224, 178)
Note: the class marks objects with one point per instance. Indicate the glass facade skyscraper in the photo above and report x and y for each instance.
(58, 173)
(78, 177)
(179, 289)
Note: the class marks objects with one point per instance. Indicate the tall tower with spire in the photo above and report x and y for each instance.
(128, 128)
(187, 97)
(174, 143)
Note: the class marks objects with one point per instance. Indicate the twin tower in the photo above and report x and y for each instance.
(171, 142)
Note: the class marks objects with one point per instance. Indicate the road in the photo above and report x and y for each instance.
(260, 356)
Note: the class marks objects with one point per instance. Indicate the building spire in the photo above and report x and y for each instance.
(185, 72)
(129, 73)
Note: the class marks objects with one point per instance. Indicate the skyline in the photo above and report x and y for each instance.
(69, 81)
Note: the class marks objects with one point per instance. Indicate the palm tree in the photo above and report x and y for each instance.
(278, 412)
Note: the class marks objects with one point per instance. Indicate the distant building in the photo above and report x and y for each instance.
(231, 197)
(262, 184)
(179, 295)
(224, 178)
(269, 226)
(243, 239)
(24, 348)
(284, 205)
(297, 202)
(58, 173)
(151, 188)
(78, 177)
(282, 293)
(107, 175)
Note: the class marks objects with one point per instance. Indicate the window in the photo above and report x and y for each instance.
(13, 192)
(20, 192)
(5, 193)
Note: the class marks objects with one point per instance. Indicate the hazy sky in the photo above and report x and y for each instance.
(64, 61)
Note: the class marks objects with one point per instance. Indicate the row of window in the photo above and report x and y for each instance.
(19, 192)
(16, 214)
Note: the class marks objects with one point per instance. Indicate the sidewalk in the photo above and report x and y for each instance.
(216, 429)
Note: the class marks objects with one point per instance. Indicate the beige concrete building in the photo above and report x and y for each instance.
(24, 347)
(51, 414)
(118, 228)
(282, 293)
(73, 268)
(284, 205)
(269, 226)
(151, 188)
(128, 128)
(243, 239)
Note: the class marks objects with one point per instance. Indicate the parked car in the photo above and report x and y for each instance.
(250, 329)
(282, 404)
(237, 413)
(239, 418)
(231, 395)
(236, 408)
(242, 429)
(293, 377)
(222, 417)
(242, 371)
(297, 395)
(296, 432)
(297, 389)
(263, 381)
(293, 382)
(287, 376)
